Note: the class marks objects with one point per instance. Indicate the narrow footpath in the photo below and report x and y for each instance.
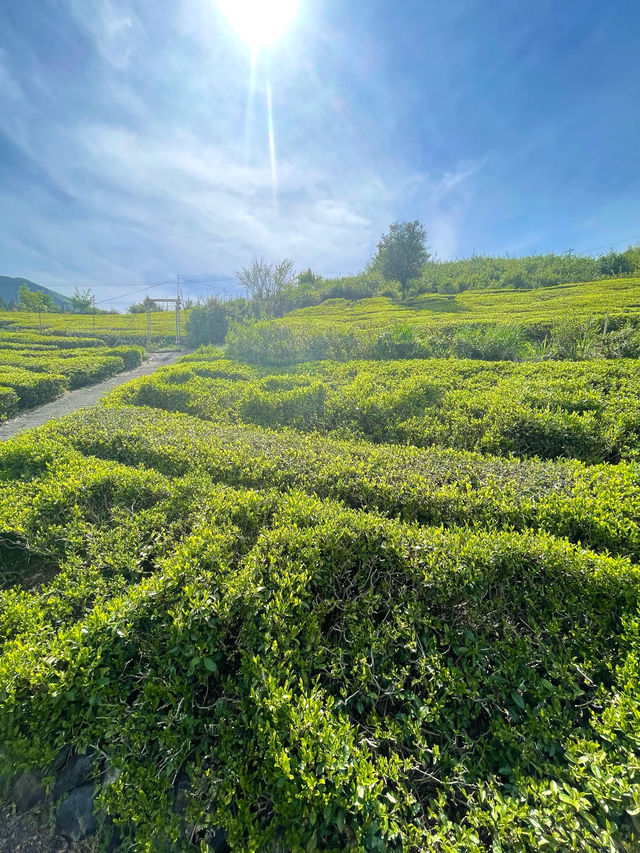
(81, 398)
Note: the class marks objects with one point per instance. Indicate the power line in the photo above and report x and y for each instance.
(205, 281)
(132, 293)
(99, 284)
(614, 243)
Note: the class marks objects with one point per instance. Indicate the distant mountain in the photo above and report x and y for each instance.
(9, 288)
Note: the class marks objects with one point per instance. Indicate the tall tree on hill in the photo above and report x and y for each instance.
(402, 252)
(82, 301)
(265, 282)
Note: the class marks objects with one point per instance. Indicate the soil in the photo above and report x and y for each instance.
(82, 397)
(33, 833)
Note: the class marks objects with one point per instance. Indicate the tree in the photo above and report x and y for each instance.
(308, 280)
(209, 323)
(616, 263)
(265, 282)
(35, 301)
(82, 301)
(402, 252)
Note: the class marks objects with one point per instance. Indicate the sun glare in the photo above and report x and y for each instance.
(259, 22)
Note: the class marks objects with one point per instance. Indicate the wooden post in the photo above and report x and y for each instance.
(178, 313)
(147, 302)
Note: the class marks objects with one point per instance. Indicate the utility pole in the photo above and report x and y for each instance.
(93, 305)
(147, 303)
(178, 312)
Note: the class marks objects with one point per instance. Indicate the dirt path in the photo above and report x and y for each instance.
(82, 397)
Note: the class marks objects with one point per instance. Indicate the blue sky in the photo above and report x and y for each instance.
(131, 150)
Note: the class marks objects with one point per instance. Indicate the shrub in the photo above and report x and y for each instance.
(8, 402)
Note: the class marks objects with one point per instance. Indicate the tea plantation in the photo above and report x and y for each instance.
(36, 368)
(112, 329)
(347, 604)
(572, 321)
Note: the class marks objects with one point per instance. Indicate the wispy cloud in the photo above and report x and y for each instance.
(112, 25)
(10, 89)
(130, 148)
(157, 185)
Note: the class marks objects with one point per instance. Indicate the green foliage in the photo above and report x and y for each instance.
(402, 253)
(479, 272)
(576, 322)
(210, 322)
(8, 402)
(33, 372)
(583, 410)
(594, 505)
(265, 282)
(99, 328)
(82, 301)
(35, 300)
(292, 587)
(32, 388)
(330, 679)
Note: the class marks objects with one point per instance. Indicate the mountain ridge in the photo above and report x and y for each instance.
(9, 288)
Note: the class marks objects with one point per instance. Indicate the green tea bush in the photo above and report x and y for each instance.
(79, 369)
(335, 680)
(30, 338)
(576, 321)
(596, 506)
(8, 402)
(37, 376)
(588, 411)
(338, 605)
(32, 388)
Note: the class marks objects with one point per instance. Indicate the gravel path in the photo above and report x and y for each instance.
(82, 397)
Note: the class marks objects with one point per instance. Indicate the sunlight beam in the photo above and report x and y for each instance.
(272, 149)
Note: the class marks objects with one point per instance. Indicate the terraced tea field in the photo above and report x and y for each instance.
(37, 368)
(573, 321)
(357, 605)
(112, 329)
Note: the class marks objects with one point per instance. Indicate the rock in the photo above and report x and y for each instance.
(61, 759)
(180, 791)
(28, 790)
(76, 819)
(110, 776)
(216, 840)
(79, 771)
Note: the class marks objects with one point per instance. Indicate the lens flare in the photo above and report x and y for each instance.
(259, 22)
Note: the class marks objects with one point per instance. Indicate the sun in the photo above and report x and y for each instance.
(259, 22)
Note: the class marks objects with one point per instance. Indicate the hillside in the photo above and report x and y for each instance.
(568, 321)
(9, 288)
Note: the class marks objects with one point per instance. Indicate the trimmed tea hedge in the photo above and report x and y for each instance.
(292, 611)
(8, 402)
(32, 388)
(587, 410)
(37, 376)
(597, 506)
(331, 679)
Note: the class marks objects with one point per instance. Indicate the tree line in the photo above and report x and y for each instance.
(402, 268)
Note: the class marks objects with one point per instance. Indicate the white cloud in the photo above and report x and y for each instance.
(446, 202)
(114, 28)
(150, 195)
(9, 86)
